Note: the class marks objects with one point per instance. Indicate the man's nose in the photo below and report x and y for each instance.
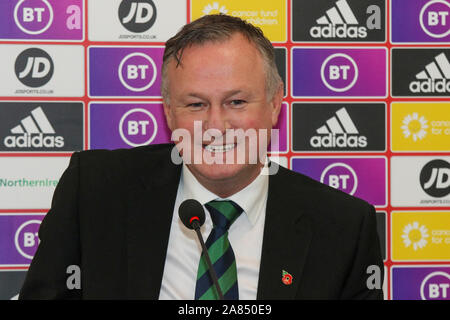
(216, 119)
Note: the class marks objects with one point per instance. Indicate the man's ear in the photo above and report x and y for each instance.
(168, 114)
(276, 103)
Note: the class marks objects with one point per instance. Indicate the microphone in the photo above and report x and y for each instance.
(193, 217)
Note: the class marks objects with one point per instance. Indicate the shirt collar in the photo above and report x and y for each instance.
(250, 199)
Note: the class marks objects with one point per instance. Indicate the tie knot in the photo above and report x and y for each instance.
(223, 213)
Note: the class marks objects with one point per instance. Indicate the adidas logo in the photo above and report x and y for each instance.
(435, 77)
(340, 22)
(339, 131)
(34, 131)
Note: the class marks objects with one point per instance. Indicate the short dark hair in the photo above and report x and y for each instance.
(217, 28)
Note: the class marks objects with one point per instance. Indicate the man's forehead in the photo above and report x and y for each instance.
(236, 41)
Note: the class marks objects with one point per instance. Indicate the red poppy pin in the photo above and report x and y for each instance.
(286, 278)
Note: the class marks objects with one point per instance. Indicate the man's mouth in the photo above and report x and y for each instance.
(219, 148)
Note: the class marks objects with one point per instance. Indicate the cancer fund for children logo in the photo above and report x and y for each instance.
(420, 126)
(348, 174)
(268, 15)
(420, 236)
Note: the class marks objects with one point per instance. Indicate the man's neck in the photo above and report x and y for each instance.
(225, 188)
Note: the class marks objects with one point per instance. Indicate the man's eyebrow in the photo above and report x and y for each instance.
(226, 94)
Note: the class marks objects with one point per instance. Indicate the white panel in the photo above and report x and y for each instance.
(406, 190)
(68, 74)
(17, 174)
(104, 23)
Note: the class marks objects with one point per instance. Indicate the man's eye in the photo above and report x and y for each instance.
(237, 102)
(196, 104)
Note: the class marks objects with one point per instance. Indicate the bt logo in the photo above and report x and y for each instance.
(137, 72)
(36, 16)
(339, 72)
(435, 18)
(435, 286)
(34, 67)
(26, 238)
(137, 15)
(435, 178)
(340, 176)
(138, 127)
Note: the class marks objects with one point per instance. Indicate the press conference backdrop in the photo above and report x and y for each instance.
(366, 109)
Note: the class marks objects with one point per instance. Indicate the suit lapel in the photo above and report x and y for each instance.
(151, 205)
(287, 235)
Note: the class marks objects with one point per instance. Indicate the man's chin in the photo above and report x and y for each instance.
(220, 172)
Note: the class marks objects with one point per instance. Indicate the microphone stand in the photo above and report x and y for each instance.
(212, 272)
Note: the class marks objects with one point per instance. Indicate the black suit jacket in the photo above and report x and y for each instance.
(111, 214)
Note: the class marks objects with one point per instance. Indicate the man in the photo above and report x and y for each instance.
(283, 236)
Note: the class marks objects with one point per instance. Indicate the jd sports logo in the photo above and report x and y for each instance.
(435, 77)
(420, 72)
(34, 67)
(137, 15)
(338, 20)
(34, 131)
(435, 178)
(339, 131)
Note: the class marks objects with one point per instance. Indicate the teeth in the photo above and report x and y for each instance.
(222, 148)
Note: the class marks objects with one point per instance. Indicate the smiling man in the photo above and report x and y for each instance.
(280, 236)
(222, 82)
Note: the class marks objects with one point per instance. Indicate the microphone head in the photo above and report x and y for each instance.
(191, 210)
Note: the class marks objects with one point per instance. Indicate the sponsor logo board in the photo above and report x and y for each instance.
(348, 174)
(125, 71)
(19, 238)
(420, 282)
(339, 127)
(338, 21)
(42, 70)
(423, 21)
(126, 125)
(47, 20)
(29, 183)
(41, 126)
(11, 282)
(420, 236)
(268, 15)
(135, 20)
(420, 72)
(420, 181)
(339, 72)
(420, 126)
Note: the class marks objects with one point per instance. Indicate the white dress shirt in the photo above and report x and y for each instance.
(245, 236)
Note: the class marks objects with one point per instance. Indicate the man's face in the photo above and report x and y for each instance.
(223, 85)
